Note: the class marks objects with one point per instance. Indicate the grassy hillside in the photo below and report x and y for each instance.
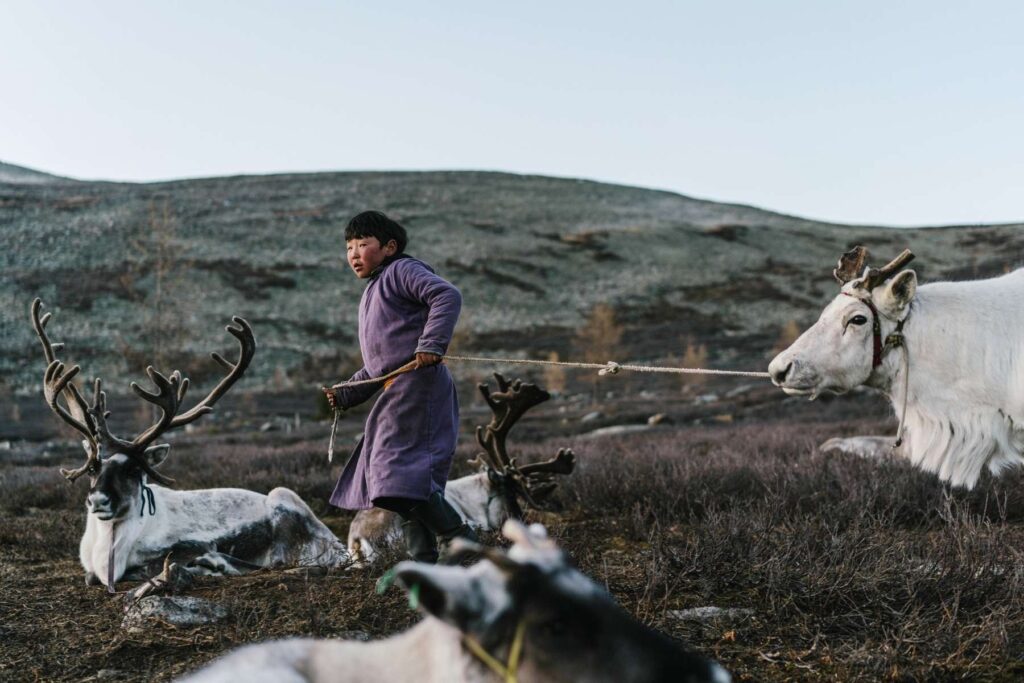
(140, 273)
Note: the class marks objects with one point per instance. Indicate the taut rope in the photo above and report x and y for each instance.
(609, 368)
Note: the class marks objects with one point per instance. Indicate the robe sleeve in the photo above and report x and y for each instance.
(349, 397)
(442, 299)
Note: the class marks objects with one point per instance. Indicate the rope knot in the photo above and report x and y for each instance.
(611, 368)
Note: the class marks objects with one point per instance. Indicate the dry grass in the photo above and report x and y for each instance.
(855, 570)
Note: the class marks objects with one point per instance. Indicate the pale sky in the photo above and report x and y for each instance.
(899, 113)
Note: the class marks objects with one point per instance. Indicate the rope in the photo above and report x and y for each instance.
(334, 433)
(609, 368)
(906, 393)
(507, 672)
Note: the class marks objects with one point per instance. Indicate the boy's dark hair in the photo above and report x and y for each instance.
(376, 224)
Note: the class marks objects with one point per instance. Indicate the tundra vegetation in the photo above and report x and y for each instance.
(854, 569)
(526, 614)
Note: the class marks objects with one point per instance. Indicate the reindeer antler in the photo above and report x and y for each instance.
(247, 349)
(851, 267)
(58, 384)
(563, 463)
(532, 482)
(508, 404)
(877, 276)
(171, 392)
(91, 421)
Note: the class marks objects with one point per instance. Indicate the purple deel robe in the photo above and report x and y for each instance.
(409, 438)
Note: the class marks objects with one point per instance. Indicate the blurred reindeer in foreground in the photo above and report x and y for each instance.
(525, 615)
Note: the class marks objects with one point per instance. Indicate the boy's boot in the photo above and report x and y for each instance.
(420, 542)
(440, 517)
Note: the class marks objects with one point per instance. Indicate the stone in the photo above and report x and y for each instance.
(739, 391)
(659, 419)
(615, 430)
(592, 416)
(180, 611)
(711, 613)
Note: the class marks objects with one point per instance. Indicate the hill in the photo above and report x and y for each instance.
(19, 175)
(141, 273)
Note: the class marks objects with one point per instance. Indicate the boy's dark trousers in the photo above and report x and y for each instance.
(424, 522)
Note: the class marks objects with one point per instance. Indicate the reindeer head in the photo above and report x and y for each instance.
(843, 349)
(118, 468)
(531, 483)
(566, 627)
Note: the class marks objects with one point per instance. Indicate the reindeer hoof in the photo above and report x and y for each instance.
(92, 580)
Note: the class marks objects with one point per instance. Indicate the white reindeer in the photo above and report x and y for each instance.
(132, 525)
(489, 497)
(958, 386)
(527, 616)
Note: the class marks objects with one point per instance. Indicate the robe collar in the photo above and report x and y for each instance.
(385, 263)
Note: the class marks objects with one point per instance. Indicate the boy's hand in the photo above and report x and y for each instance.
(425, 360)
(331, 397)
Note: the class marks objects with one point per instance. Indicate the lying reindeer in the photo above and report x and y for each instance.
(133, 525)
(526, 615)
(488, 498)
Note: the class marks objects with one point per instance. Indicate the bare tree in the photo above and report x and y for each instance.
(788, 335)
(695, 356)
(598, 339)
(158, 278)
(554, 375)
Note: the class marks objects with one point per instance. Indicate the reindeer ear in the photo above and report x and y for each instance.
(155, 455)
(468, 599)
(898, 293)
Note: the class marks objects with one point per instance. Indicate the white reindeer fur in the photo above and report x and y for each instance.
(201, 516)
(431, 652)
(965, 409)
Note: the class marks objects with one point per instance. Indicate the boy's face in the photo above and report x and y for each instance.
(366, 253)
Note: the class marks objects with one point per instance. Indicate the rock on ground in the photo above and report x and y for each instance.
(711, 613)
(180, 611)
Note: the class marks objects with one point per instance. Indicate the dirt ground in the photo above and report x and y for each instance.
(854, 569)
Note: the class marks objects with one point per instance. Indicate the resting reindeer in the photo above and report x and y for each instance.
(132, 525)
(526, 615)
(959, 386)
(485, 499)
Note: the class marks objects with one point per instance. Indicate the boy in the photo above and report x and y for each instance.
(402, 461)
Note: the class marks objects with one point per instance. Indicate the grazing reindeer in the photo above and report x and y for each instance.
(525, 615)
(132, 525)
(485, 499)
(957, 380)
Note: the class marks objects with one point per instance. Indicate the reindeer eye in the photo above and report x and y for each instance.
(858, 320)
